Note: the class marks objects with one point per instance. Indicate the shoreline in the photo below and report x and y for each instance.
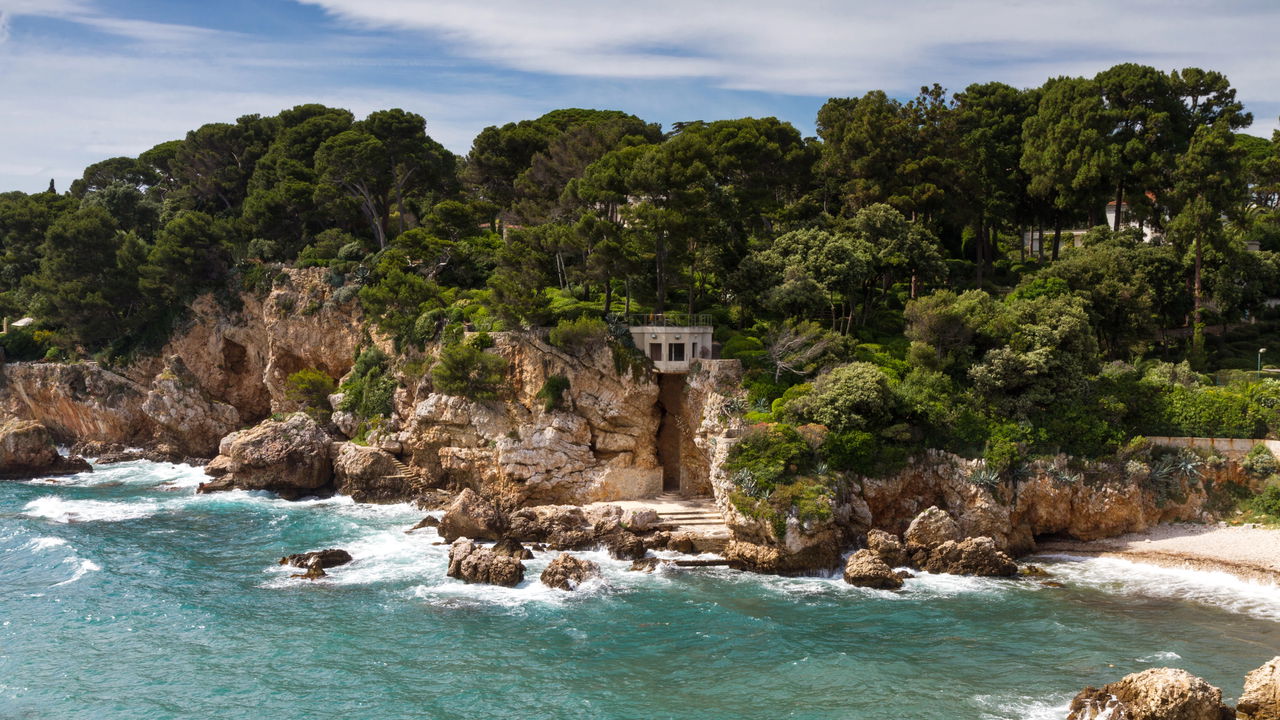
(1249, 553)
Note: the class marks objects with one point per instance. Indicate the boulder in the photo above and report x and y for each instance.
(931, 528)
(331, 557)
(887, 547)
(512, 548)
(567, 572)
(471, 516)
(563, 527)
(27, 450)
(646, 564)
(640, 519)
(971, 556)
(430, 521)
(289, 457)
(370, 475)
(1155, 694)
(475, 563)
(623, 545)
(1261, 698)
(866, 569)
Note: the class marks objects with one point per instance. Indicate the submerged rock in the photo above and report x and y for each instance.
(429, 521)
(475, 563)
(646, 564)
(971, 556)
(866, 569)
(567, 572)
(1155, 694)
(1261, 698)
(471, 516)
(289, 457)
(27, 450)
(331, 557)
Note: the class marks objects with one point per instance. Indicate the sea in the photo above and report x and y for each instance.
(124, 595)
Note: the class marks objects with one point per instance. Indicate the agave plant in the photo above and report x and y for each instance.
(985, 477)
(735, 405)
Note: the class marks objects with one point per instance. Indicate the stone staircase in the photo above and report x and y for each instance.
(404, 472)
(696, 516)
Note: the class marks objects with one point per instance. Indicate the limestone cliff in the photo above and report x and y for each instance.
(598, 445)
(1081, 500)
(222, 369)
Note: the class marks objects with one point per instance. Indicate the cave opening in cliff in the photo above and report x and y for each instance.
(670, 409)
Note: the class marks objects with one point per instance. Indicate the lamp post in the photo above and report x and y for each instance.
(1260, 351)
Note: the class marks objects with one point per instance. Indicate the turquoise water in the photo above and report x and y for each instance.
(125, 595)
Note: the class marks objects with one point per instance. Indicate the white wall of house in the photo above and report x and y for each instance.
(672, 349)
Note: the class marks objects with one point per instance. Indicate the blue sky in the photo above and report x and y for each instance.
(83, 80)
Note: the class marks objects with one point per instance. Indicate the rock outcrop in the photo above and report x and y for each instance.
(931, 528)
(289, 457)
(27, 450)
(331, 557)
(184, 415)
(471, 516)
(887, 547)
(567, 572)
(971, 556)
(1155, 694)
(1261, 697)
(371, 475)
(475, 563)
(79, 401)
(865, 569)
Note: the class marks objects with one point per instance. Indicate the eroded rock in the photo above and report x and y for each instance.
(289, 457)
(370, 475)
(475, 563)
(27, 450)
(1155, 694)
(932, 528)
(471, 516)
(887, 547)
(331, 557)
(1261, 697)
(971, 556)
(567, 572)
(866, 569)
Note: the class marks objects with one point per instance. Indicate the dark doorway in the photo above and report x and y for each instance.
(655, 352)
(670, 436)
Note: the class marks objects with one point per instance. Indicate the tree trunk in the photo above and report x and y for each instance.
(977, 252)
(1040, 247)
(1057, 235)
(608, 295)
(1115, 225)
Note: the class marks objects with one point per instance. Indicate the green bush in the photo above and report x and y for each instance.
(1260, 462)
(468, 372)
(481, 341)
(580, 333)
(311, 389)
(1267, 502)
(768, 456)
(369, 391)
(20, 345)
(850, 397)
(552, 392)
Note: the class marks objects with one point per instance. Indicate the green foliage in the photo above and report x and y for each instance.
(768, 456)
(1267, 503)
(471, 373)
(552, 392)
(578, 334)
(854, 396)
(369, 389)
(21, 344)
(311, 389)
(1259, 462)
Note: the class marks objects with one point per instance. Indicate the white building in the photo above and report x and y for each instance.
(673, 341)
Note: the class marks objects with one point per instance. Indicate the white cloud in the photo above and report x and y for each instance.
(820, 47)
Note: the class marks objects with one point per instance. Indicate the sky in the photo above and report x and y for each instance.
(84, 80)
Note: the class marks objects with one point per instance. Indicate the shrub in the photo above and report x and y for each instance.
(1260, 462)
(1267, 502)
(850, 397)
(580, 333)
(769, 456)
(552, 392)
(311, 389)
(481, 341)
(368, 391)
(20, 344)
(471, 373)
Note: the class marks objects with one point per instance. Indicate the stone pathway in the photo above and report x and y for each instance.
(697, 516)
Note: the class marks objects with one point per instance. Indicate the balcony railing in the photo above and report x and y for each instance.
(665, 319)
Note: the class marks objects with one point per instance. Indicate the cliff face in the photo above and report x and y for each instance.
(600, 444)
(1095, 500)
(223, 370)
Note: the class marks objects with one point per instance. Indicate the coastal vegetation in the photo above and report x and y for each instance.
(910, 278)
